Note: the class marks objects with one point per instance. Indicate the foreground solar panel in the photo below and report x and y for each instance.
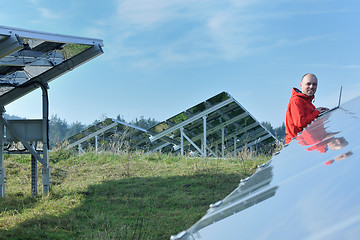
(111, 131)
(30, 60)
(28, 56)
(220, 122)
(308, 191)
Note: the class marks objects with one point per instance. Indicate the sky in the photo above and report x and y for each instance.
(162, 57)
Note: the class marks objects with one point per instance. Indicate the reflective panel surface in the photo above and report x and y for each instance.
(308, 191)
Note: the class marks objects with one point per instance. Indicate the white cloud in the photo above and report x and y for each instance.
(206, 30)
(145, 12)
(354, 66)
(48, 14)
(212, 28)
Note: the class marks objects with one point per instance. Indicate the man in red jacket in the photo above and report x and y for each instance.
(300, 111)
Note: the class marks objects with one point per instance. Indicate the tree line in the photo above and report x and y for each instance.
(278, 132)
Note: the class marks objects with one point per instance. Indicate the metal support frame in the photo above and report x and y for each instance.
(55, 65)
(204, 140)
(182, 140)
(202, 136)
(217, 128)
(2, 169)
(80, 149)
(192, 143)
(33, 176)
(46, 168)
(35, 156)
(235, 146)
(10, 127)
(223, 142)
(212, 152)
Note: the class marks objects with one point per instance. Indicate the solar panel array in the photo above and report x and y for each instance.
(220, 120)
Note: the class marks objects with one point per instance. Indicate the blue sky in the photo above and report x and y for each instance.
(164, 56)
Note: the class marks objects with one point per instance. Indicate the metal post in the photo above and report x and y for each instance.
(96, 143)
(46, 169)
(204, 141)
(2, 169)
(222, 142)
(182, 140)
(33, 176)
(235, 146)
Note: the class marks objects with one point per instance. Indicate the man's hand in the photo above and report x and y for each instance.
(321, 109)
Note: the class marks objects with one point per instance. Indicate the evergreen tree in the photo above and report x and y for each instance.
(57, 129)
(278, 132)
(75, 128)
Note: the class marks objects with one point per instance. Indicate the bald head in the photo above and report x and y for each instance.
(308, 84)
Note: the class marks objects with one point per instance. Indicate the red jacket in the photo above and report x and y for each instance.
(300, 112)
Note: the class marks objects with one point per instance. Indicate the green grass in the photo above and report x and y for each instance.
(116, 196)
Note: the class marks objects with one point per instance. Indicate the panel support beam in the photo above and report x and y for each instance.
(9, 45)
(192, 143)
(212, 152)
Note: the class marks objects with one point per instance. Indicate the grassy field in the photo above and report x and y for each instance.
(116, 196)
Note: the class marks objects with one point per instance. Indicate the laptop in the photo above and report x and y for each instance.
(332, 109)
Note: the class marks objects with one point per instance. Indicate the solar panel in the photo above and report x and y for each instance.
(110, 131)
(30, 60)
(307, 191)
(28, 56)
(220, 122)
(113, 134)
